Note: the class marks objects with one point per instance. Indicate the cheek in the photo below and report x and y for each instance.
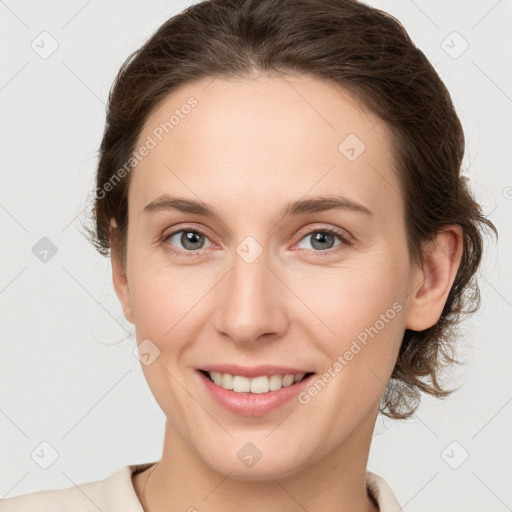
(362, 323)
(164, 298)
(368, 324)
(165, 302)
(349, 301)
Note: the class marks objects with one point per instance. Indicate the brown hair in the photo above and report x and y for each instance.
(359, 48)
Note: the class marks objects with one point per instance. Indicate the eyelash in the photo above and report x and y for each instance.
(332, 231)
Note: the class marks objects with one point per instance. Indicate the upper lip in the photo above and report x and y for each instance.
(254, 371)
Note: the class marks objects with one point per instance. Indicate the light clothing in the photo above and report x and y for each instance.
(116, 494)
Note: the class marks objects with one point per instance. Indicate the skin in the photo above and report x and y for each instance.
(247, 149)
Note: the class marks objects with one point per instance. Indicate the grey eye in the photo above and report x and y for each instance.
(321, 240)
(189, 240)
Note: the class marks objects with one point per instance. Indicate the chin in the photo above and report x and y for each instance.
(248, 463)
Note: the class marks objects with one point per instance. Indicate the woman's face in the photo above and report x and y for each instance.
(266, 237)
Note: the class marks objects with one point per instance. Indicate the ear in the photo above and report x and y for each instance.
(431, 284)
(119, 277)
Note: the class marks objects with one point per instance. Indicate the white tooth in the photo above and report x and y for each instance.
(259, 384)
(216, 377)
(241, 384)
(227, 381)
(288, 380)
(275, 382)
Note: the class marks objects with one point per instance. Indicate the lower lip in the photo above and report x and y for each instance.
(253, 404)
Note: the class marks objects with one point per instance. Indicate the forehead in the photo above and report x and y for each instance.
(270, 139)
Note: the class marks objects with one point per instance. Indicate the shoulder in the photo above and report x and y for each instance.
(379, 489)
(82, 498)
(113, 494)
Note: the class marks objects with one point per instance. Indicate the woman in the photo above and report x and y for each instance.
(279, 190)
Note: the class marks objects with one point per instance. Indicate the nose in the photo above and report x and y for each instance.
(251, 306)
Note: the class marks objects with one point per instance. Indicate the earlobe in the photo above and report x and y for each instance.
(120, 278)
(431, 284)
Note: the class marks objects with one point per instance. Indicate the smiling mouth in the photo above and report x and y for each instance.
(255, 385)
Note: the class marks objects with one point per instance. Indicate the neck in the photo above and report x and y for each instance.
(333, 483)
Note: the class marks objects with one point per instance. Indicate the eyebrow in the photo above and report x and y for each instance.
(301, 207)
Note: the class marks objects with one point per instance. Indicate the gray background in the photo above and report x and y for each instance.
(68, 376)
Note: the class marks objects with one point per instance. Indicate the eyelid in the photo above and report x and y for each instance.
(186, 227)
(342, 233)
